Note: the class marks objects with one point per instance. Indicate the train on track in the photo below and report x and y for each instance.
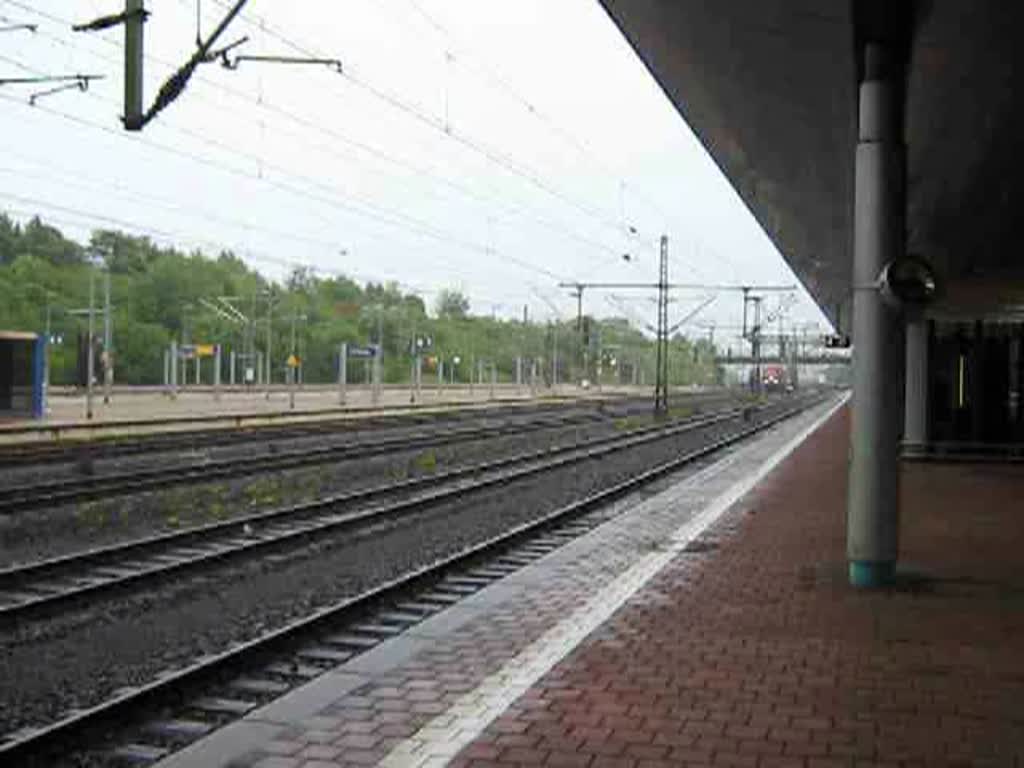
(777, 378)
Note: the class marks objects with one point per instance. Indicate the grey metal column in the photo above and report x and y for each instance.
(915, 425)
(216, 372)
(174, 369)
(232, 360)
(873, 514)
(90, 361)
(108, 339)
(419, 376)
(342, 372)
(378, 369)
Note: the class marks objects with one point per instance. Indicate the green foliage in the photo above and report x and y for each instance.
(162, 294)
(264, 491)
(427, 461)
(629, 423)
(452, 304)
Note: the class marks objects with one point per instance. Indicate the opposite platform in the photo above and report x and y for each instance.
(420, 697)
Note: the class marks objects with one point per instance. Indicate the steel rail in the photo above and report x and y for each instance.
(24, 497)
(217, 542)
(123, 445)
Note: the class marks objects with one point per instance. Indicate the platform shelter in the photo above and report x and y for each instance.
(22, 375)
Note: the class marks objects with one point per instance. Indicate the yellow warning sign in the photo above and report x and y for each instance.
(293, 361)
(205, 350)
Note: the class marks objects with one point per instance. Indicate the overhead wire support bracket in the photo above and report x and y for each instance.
(67, 82)
(80, 83)
(334, 64)
(222, 53)
(33, 28)
(106, 22)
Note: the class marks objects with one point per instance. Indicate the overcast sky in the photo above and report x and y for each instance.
(494, 146)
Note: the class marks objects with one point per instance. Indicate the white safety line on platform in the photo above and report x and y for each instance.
(441, 739)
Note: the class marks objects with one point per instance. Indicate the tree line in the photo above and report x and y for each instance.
(160, 294)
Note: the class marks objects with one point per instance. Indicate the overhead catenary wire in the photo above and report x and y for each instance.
(437, 124)
(375, 212)
(76, 180)
(294, 46)
(327, 190)
(516, 210)
(206, 139)
(173, 239)
(579, 144)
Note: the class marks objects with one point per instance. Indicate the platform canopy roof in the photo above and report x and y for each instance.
(770, 88)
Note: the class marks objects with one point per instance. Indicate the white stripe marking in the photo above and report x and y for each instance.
(440, 740)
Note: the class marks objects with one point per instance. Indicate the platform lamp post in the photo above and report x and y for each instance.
(376, 312)
(90, 345)
(186, 339)
(108, 339)
(269, 293)
(293, 364)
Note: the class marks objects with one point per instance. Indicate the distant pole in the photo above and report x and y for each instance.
(554, 356)
(342, 372)
(413, 365)
(216, 372)
(440, 375)
(661, 362)
(270, 318)
(90, 364)
(378, 360)
(578, 292)
(494, 378)
(231, 367)
(174, 370)
(108, 340)
(49, 333)
(291, 368)
(167, 372)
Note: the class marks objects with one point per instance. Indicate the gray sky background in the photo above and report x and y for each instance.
(490, 145)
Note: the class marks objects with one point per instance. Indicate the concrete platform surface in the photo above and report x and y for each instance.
(468, 673)
(150, 410)
(757, 653)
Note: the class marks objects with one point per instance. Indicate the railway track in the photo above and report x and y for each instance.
(143, 724)
(22, 498)
(73, 450)
(51, 584)
(23, 454)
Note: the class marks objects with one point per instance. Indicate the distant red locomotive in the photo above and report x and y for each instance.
(774, 379)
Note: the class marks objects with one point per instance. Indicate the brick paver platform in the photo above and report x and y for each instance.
(750, 650)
